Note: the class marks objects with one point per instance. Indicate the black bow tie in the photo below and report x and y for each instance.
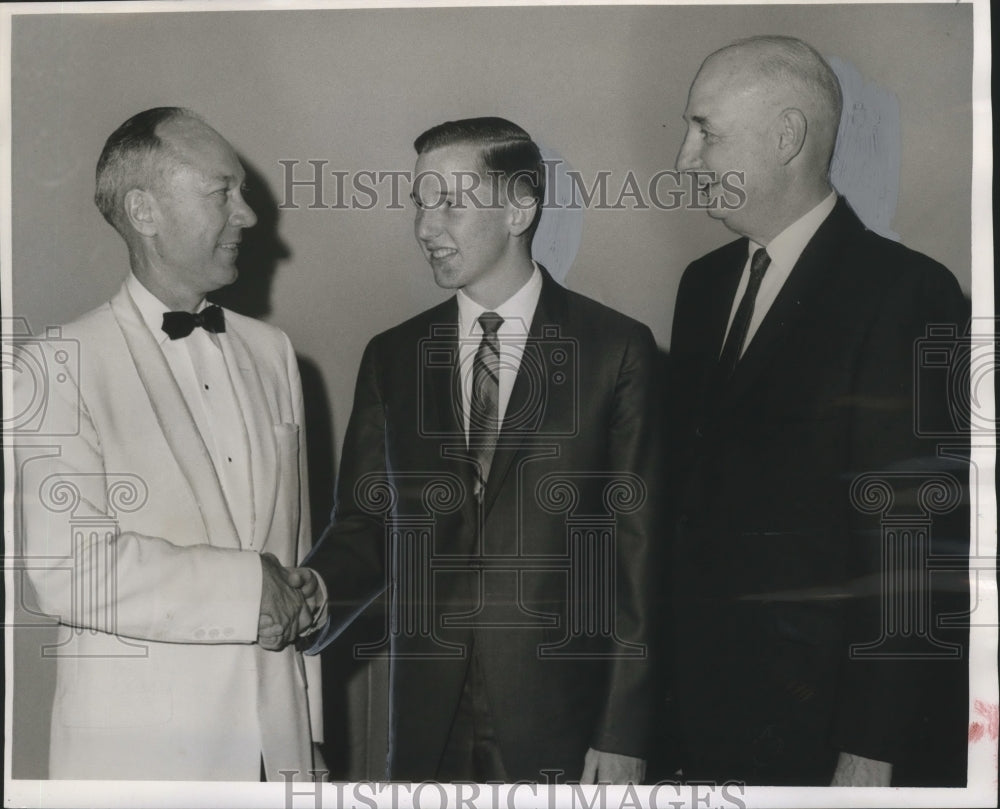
(181, 324)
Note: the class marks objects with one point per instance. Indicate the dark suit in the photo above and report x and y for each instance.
(570, 502)
(777, 567)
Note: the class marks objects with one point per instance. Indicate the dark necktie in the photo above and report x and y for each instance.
(744, 313)
(484, 407)
(181, 324)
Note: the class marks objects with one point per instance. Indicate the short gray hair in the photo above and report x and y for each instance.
(132, 158)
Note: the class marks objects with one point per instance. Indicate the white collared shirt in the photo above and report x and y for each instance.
(517, 312)
(199, 366)
(784, 250)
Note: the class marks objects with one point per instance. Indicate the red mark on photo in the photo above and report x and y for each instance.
(990, 728)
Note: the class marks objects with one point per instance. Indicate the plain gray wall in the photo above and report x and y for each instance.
(605, 87)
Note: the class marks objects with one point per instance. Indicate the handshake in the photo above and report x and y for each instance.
(290, 601)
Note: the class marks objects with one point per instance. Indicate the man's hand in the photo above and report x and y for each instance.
(612, 768)
(281, 606)
(306, 581)
(857, 771)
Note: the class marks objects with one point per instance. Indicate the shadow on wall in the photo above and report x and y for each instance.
(346, 696)
(340, 701)
(866, 162)
(261, 251)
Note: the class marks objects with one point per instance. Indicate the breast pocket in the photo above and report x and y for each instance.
(286, 437)
(284, 533)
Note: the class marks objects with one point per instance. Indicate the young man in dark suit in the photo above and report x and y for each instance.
(499, 475)
(793, 355)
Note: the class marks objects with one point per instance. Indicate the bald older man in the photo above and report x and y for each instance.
(793, 360)
(158, 528)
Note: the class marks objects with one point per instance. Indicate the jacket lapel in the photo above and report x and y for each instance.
(258, 431)
(440, 393)
(720, 306)
(804, 283)
(176, 422)
(709, 332)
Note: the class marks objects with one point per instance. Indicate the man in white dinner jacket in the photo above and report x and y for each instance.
(158, 531)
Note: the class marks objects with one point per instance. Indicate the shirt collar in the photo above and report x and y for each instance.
(787, 246)
(150, 307)
(517, 311)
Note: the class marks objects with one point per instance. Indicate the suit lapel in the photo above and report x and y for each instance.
(175, 420)
(440, 394)
(437, 362)
(722, 296)
(709, 332)
(803, 284)
(258, 431)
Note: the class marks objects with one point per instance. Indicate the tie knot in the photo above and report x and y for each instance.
(759, 263)
(490, 322)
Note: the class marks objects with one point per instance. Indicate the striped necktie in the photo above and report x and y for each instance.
(484, 407)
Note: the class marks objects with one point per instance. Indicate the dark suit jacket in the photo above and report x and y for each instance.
(550, 579)
(777, 565)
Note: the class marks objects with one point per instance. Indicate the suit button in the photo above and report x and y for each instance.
(698, 433)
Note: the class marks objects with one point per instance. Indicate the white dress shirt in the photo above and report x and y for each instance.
(784, 250)
(517, 312)
(199, 366)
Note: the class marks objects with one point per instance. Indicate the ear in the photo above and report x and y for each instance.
(521, 213)
(140, 210)
(792, 127)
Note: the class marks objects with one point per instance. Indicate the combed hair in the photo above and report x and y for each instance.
(797, 63)
(127, 161)
(506, 151)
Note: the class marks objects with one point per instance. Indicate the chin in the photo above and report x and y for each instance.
(447, 280)
(226, 276)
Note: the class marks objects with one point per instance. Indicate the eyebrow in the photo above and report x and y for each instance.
(226, 180)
